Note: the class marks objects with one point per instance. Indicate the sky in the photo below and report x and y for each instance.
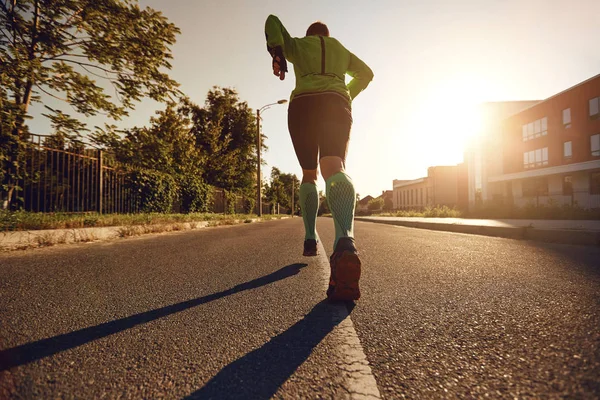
(434, 61)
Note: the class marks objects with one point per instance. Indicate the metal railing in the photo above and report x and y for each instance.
(59, 175)
(65, 176)
(585, 199)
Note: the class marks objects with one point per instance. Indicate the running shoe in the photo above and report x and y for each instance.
(345, 274)
(310, 248)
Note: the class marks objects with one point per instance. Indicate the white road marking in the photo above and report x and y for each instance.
(358, 377)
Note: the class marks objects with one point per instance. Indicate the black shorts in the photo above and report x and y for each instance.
(319, 126)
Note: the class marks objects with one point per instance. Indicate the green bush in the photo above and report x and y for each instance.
(249, 204)
(155, 191)
(195, 194)
(441, 212)
(375, 204)
(230, 200)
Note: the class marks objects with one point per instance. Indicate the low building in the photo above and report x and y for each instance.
(443, 186)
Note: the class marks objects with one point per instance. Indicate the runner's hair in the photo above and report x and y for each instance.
(317, 28)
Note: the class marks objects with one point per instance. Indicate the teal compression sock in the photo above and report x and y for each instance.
(341, 199)
(309, 205)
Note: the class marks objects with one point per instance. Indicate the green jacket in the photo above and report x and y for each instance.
(320, 63)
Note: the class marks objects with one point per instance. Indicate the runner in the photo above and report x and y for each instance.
(319, 121)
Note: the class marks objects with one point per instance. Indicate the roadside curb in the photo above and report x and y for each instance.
(563, 236)
(22, 240)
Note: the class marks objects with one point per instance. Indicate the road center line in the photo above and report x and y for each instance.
(353, 364)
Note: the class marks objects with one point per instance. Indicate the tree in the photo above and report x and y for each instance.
(375, 204)
(279, 191)
(60, 48)
(225, 129)
(168, 145)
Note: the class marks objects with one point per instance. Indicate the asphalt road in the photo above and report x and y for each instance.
(466, 316)
(237, 312)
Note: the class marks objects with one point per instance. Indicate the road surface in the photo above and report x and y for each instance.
(237, 312)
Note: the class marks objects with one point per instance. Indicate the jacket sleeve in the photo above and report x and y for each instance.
(277, 35)
(361, 75)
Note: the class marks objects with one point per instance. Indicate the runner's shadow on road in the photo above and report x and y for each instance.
(260, 373)
(37, 350)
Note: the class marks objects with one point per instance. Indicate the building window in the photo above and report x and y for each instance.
(535, 158)
(595, 107)
(567, 149)
(567, 117)
(595, 183)
(595, 144)
(568, 185)
(544, 126)
(535, 129)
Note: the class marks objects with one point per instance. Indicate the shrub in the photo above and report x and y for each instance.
(195, 194)
(249, 204)
(375, 204)
(230, 200)
(155, 191)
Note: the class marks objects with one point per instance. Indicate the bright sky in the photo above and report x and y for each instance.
(434, 61)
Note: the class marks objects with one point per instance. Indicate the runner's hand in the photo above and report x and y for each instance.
(279, 62)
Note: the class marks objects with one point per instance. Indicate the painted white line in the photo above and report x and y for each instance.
(359, 381)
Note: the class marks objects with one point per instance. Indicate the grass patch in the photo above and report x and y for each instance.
(25, 221)
(429, 212)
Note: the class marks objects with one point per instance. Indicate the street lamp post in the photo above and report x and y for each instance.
(258, 144)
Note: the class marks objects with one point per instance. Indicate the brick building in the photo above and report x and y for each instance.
(443, 186)
(547, 152)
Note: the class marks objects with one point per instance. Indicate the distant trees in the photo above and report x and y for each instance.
(375, 204)
(213, 145)
(279, 190)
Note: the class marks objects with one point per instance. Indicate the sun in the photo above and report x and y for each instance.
(450, 118)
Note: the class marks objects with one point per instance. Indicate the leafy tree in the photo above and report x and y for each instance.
(225, 130)
(168, 145)
(280, 189)
(61, 48)
(375, 204)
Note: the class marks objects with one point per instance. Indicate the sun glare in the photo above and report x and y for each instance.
(450, 118)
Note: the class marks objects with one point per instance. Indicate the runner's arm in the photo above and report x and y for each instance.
(277, 35)
(361, 75)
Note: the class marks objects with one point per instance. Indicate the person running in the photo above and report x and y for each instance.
(319, 121)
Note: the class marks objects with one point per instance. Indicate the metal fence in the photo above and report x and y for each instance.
(65, 176)
(59, 175)
(586, 199)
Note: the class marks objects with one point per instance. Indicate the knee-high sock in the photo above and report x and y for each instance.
(341, 199)
(309, 204)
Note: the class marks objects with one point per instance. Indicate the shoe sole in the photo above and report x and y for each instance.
(310, 254)
(347, 273)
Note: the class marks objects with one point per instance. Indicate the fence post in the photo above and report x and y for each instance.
(99, 183)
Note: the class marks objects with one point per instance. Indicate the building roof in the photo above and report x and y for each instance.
(408, 183)
(365, 200)
(555, 95)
